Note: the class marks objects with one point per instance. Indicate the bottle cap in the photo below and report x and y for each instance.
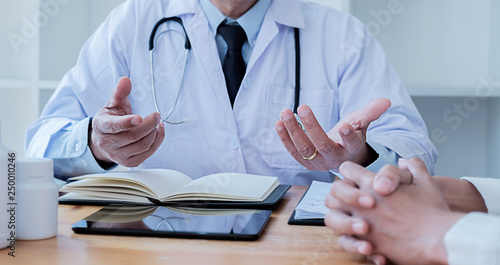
(35, 167)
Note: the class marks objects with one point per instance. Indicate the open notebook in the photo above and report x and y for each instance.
(170, 187)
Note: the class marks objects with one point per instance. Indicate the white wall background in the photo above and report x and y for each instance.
(435, 45)
(39, 41)
(442, 50)
(18, 70)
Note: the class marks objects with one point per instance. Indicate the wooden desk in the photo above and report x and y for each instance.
(280, 244)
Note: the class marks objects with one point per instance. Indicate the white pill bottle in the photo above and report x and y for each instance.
(37, 199)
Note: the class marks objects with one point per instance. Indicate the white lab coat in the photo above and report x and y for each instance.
(343, 68)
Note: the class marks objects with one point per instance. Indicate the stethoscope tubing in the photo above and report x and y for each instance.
(187, 47)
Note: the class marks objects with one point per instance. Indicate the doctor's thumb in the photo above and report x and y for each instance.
(122, 90)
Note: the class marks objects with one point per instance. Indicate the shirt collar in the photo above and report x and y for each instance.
(247, 21)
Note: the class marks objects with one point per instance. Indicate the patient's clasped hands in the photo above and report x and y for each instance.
(399, 213)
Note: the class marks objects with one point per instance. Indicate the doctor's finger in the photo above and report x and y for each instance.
(351, 139)
(362, 118)
(104, 123)
(119, 96)
(141, 145)
(137, 133)
(137, 153)
(297, 135)
(287, 142)
(317, 135)
(296, 154)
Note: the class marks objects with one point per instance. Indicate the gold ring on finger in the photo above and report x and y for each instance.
(309, 158)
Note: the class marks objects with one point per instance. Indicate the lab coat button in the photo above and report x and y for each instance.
(234, 143)
(77, 147)
(84, 163)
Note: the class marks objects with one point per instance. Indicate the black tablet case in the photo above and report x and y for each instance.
(316, 222)
(271, 200)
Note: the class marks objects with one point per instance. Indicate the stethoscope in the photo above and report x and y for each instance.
(187, 47)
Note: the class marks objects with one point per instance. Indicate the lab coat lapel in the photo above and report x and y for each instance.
(202, 38)
(284, 12)
(177, 8)
(204, 42)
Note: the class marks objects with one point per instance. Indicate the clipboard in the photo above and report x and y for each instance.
(313, 222)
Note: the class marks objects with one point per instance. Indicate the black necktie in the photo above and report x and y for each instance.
(233, 66)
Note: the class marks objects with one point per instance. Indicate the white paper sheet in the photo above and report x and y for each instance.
(312, 205)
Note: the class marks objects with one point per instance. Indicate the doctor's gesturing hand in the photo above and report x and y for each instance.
(119, 136)
(318, 150)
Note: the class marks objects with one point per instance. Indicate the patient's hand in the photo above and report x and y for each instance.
(407, 226)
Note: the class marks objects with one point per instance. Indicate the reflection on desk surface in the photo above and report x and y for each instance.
(171, 219)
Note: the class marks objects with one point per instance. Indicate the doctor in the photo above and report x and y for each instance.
(96, 119)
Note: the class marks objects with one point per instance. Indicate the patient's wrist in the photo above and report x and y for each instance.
(439, 224)
(461, 195)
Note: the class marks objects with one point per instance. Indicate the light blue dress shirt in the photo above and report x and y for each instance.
(343, 69)
(251, 22)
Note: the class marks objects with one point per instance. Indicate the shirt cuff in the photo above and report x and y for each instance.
(488, 188)
(75, 158)
(474, 239)
(385, 156)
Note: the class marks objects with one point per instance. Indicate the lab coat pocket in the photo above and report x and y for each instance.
(322, 103)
